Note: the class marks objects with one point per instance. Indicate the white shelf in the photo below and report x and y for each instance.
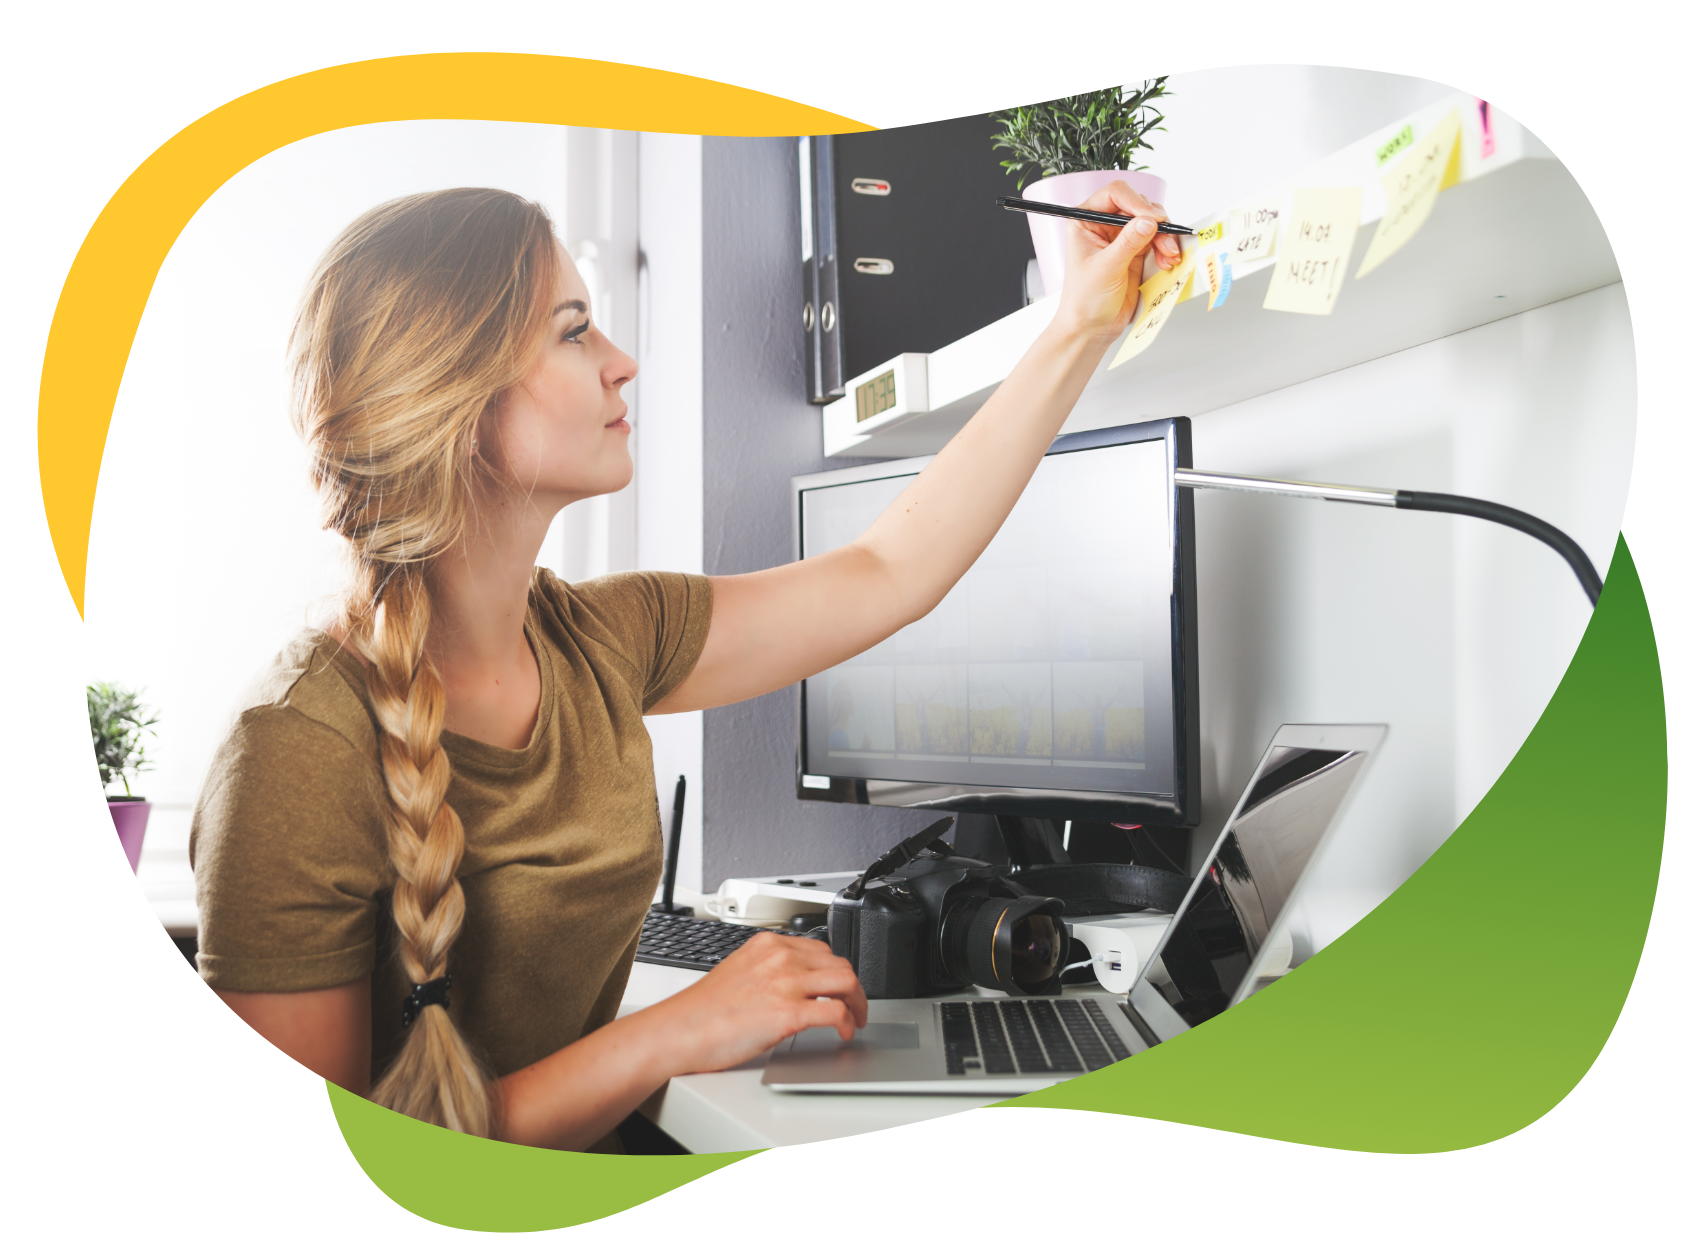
(1516, 232)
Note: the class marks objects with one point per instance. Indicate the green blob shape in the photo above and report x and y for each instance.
(474, 1183)
(1378, 1043)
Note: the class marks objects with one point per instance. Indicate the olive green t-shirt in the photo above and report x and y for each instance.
(563, 843)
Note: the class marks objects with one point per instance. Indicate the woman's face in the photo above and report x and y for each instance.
(561, 433)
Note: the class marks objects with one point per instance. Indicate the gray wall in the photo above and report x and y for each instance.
(758, 432)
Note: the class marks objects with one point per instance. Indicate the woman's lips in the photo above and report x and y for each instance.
(621, 424)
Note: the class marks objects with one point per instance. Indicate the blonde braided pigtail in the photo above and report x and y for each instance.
(420, 314)
(435, 1076)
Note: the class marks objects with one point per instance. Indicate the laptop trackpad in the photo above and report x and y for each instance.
(827, 1040)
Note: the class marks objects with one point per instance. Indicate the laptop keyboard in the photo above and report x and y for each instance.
(1012, 1036)
(677, 940)
(1004, 1037)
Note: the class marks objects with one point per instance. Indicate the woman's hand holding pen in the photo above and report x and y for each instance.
(1105, 264)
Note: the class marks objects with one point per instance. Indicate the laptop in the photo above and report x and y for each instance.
(1231, 936)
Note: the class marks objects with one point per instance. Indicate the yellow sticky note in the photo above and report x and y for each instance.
(1250, 231)
(1158, 297)
(1314, 252)
(1411, 189)
(1191, 275)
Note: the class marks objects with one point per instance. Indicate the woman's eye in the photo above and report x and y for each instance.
(577, 332)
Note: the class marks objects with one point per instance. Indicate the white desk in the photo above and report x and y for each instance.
(731, 1111)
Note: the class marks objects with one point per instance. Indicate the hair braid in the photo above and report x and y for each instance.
(417, 317)
(435, 1076)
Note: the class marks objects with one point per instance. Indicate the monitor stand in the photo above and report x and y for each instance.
(1006, 838)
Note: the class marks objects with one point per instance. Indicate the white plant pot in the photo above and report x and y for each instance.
(1049, 234)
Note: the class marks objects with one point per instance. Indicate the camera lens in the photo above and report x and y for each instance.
(1017, 945)
(1035, 941)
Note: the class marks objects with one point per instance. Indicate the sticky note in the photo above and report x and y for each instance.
(1250, 231)
(1395, 145)
(1411, 189)
(1220, 276)
(1209, 235)
(1188, 252)
(1487, 148)
(1158, 297)
(1314, 250)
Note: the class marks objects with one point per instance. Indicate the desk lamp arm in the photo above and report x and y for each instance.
(1409, 500)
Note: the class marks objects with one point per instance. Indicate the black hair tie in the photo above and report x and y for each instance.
(432, 993)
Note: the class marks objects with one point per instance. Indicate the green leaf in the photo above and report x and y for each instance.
(116, 721)
(1092, 131)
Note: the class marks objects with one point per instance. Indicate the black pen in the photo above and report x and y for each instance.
(1086, 216)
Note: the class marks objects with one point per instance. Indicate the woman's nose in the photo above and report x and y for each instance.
(618, 368)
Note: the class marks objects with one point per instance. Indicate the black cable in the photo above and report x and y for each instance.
(929, 838)
(1169, 864)
(1513, 518)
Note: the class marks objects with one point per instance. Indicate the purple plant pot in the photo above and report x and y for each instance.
(129, 813)
(1049, 234)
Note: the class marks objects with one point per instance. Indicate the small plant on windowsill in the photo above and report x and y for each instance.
(118, 723)
(1079, 144)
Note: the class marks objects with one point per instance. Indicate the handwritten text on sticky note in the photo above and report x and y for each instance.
(1395, 145)
(1314, 250)
(1158, 297)
(1218, 274)
(1250, 231)
(1411, 190)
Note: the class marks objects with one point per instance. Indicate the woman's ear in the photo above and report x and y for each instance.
(484, 443)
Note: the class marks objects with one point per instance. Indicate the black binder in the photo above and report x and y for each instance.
(903, 247)
(821, 311)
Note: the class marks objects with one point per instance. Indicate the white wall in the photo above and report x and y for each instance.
(597, 536)
(669, 428)
(1231, 132)
(205, 554)
(1454, 632)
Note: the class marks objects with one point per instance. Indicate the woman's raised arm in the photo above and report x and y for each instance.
(774, 627)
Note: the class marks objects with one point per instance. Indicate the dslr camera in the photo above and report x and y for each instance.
(922, 920)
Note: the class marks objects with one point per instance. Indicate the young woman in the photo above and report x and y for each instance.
(426, 846)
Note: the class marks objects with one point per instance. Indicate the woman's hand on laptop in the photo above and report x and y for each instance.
(768, 989)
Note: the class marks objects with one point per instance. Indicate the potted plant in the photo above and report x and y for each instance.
(117, 721)
(1079, 144)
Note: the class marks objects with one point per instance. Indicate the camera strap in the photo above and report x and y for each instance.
(1105, 887)
(929, 838)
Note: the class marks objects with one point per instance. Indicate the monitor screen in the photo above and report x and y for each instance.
(1054, 674)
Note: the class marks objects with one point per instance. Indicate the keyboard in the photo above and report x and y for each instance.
(678, 940)
(1012, 1036)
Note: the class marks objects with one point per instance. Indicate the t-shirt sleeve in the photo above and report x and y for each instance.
(657, 622)
(289, 855)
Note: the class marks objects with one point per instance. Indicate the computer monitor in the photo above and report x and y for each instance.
(1058, 679)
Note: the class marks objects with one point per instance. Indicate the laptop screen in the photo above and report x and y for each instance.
(1222, 930)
